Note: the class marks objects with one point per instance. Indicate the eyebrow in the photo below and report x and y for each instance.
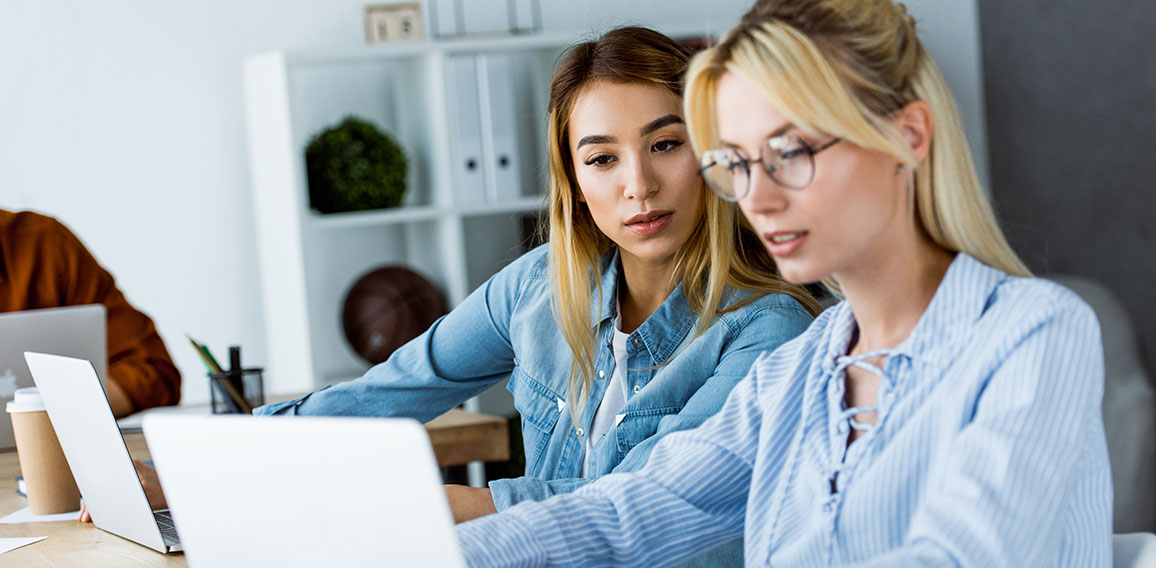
(595, 139)
(781, 130)
(659, 123)
(648, 128)
(776, 132)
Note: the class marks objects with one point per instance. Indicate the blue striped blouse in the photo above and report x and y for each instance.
(988, 450)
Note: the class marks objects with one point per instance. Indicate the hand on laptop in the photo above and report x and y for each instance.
(152, 488)
(469, 502)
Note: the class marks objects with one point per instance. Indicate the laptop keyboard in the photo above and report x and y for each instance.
(168, 529)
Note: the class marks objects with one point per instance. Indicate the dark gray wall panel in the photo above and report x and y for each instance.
(1070, 90)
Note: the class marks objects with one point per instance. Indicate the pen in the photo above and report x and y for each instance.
(236, 376)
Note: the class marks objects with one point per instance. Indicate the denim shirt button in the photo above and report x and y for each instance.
(580, 432)
(601, 374)
(637, 341)
(636, 389)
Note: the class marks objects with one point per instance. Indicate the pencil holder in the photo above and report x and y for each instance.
(232, 392)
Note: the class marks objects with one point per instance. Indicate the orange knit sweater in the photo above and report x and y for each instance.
(43, 265)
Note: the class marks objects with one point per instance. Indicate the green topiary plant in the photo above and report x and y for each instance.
(353, 167)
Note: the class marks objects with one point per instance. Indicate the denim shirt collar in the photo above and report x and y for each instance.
(661, 333)
(952, 311)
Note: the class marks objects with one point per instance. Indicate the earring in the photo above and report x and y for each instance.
(902, 168)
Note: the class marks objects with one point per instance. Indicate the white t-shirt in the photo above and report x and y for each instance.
(605, 418)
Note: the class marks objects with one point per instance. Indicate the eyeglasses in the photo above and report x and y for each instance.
(788, 160)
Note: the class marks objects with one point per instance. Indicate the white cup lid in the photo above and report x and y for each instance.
(26, 400)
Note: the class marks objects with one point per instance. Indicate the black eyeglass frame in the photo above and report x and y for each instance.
(768, 168)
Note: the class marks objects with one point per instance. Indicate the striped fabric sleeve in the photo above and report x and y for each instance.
(994, 503)
(691, 496)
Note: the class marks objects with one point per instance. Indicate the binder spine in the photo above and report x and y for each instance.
(466, 152)
(499, 127)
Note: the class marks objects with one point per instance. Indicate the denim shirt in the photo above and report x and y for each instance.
(506, 329)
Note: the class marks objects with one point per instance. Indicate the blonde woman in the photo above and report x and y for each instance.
(650, 301)
(947, 413)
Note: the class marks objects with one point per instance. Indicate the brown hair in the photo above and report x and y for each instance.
(722, 250)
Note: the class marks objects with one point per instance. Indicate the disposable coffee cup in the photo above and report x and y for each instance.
(47, 477)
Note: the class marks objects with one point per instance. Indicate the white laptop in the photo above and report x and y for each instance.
(76, 331)
(96, 453)
(303, 491)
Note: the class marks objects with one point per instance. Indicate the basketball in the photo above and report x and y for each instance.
(387, 307)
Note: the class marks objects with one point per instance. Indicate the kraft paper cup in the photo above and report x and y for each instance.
(47, 477)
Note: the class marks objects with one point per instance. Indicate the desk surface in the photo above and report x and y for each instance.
(457, 436)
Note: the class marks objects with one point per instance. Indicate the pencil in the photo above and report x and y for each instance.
(206, 356)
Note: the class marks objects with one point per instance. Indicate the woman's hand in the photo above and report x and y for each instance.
(469, 502)
(151, 485)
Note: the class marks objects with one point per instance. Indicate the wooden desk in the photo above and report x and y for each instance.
(457, 436)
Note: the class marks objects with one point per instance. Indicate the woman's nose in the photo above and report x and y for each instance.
(641, 181)
(764, 194)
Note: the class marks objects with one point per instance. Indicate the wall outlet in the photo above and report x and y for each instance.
(393, 22)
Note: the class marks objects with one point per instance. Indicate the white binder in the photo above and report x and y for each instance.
(443, 17)
(499, 128)
(466, 154)
(477, 17)
(483, 17)
(525, 16)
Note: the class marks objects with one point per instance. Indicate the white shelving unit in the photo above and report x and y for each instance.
(309, 260)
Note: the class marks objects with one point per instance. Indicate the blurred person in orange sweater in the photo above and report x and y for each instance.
(43, 265)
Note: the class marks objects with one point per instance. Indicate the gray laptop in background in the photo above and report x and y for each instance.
(75, 331)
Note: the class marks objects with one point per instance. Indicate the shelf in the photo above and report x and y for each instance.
(528, 42)
(376, 217)
(468, 45)
(524, 205)
(401, 215)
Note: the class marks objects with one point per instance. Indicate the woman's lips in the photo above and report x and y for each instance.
(783, 243)
(648, 224)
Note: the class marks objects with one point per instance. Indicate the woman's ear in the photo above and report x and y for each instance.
(915, 123)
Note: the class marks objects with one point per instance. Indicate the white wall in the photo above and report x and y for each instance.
(124, 119)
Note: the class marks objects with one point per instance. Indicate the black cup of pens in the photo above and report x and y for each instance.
(237, 390)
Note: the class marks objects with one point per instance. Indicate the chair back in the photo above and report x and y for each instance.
(1129, 409)
(1134, 550)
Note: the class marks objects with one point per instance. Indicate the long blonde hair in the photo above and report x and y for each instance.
(844, 68)
(721, 252)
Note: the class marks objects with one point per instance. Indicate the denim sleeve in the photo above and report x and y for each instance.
(764, 331)
(459, 356)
